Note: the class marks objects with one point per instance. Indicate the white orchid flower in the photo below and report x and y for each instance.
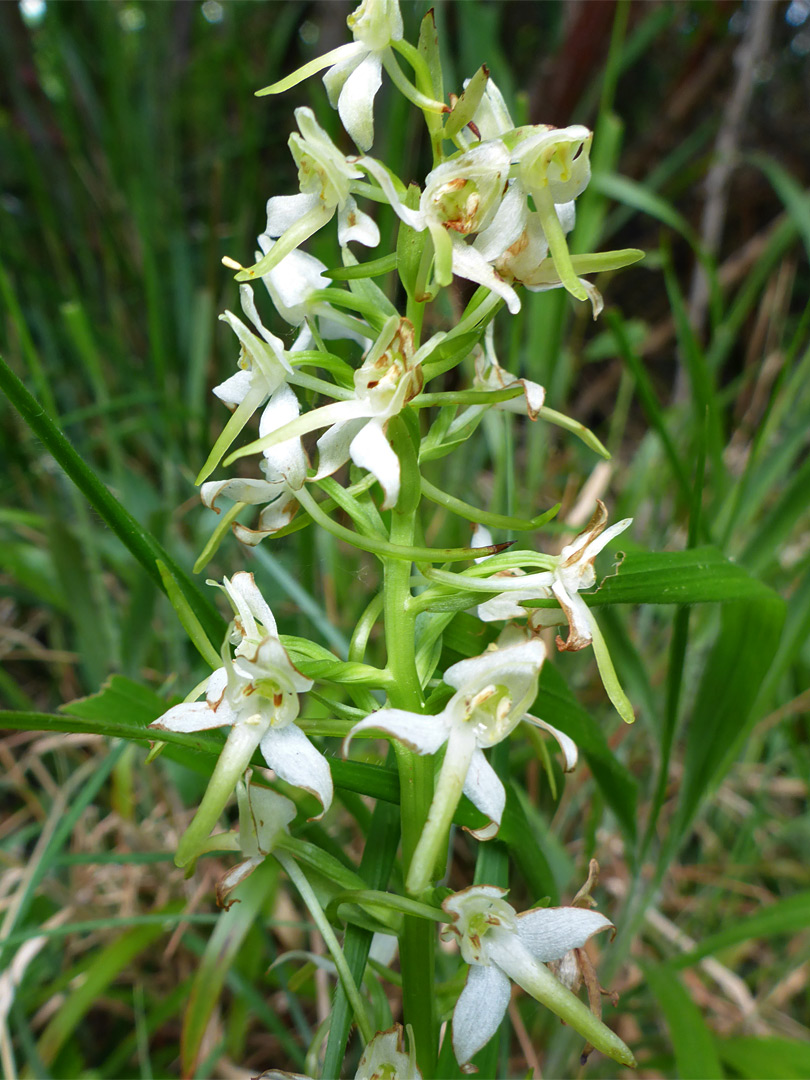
(262, 377)
(255, 694)
(263, 816)
(526, 260)
(389, 377)
(353, 81)
(553, 166)
(489, 375)
(324, 179)
(292, 285)
(500, 945)
(461, 198)
(285, 471)
(384, 1058)
(494, 692)
(574, 571)
(355, 69)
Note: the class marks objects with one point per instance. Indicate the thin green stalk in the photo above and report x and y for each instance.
(298, 878)
(403, 553)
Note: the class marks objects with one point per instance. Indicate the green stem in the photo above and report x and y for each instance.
(415, 772)
(298, 878)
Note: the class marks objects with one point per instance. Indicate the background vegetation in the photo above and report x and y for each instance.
(133, 155)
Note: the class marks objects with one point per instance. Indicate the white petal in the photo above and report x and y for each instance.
(415, 218)
(237, 874)
(424, 734)
(216, 687)
(263, 814)
(284, 210)
(485, 791)
(371, 450)
(506, 226)
(270, 661)
(292, 281)
(567, 215)
(356, 102)
(189, 717)
(579, 619)
(353, 224)
(566, 743)
(479, 1010)
(333, 446)
(601, 541)
(293, 757)
(249, 307)
(504, 606)
(286, 460)
(471, 264)
(338, 73)
(235, 389)
(481, 537)
(246, 594)
(499, 666)
(253, 492)
(549, 933)
(276, 515)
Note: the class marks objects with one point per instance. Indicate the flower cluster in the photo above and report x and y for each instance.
(496, 208)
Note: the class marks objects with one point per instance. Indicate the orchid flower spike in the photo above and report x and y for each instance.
(494, 692)
(324, 179)
(255, 694)
(461, 198)
(500, 945)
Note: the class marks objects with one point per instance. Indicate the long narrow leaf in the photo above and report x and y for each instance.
(143, 546)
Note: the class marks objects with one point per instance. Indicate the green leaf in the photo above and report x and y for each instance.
(142, 545)
(557, 705)
(723, 710)
(695, 1054)
(219, 956)
(698, 575)
(789, 916)
(790, 191)
(766, 1059)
